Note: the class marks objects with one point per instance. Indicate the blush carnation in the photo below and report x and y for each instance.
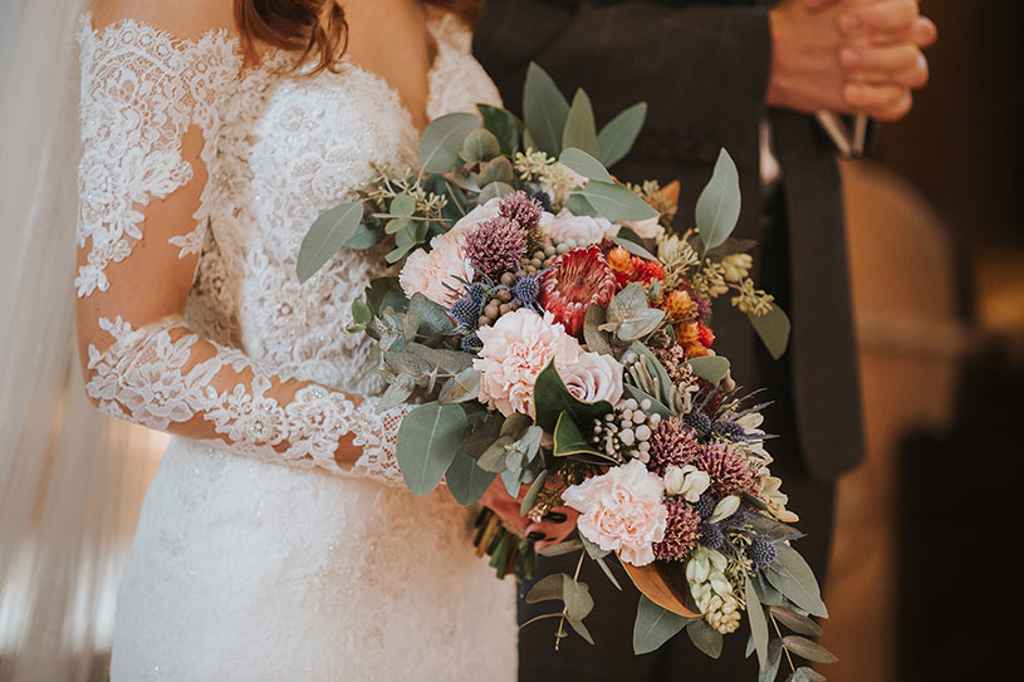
(622, 511)
(516, 349)
(593, 377)
(438, 274)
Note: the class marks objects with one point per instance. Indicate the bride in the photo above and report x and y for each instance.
(276, 541)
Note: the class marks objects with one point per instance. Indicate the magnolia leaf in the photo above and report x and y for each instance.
(480, 145)
(709, 641)
(568, 440)
(585, 164)
(580, 128)
(796, 622)
(805, 674)
(791, 576)
(504, 125)
(561, 549)
(467, 481)
(615, 202)
(442, 141)
(711, 368)
(758, 624)
(718, 208)
(429, 438)
(725, 508)
(533, 493)
(578, 601)
(617, 138)
(770, 671)
(461, 388)
(551, 398)
(364, 238)
(805, 648)
(548, 588)
(640, 324)
(635, 248)
(581, 630)
(597, 341)
(654, 626)
(545, 110)
(773, 327)
(327, 236)
(495, 190)
(662, 585)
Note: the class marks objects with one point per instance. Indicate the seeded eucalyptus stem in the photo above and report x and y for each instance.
(560, 633)
(789, 657)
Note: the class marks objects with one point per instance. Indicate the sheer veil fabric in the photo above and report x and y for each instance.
(71, 480)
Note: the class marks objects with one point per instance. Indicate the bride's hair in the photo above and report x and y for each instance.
(314, 28)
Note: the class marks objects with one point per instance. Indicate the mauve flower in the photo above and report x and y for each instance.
(516, 349)
(593, 377)
(584, 230)
(438, 274)
(622, 511)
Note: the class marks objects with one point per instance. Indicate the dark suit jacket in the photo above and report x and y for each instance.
(704, 71)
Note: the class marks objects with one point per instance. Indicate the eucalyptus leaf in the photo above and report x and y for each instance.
(461, 388)
(608, 572)
(585, 164)
(706, 639)
(578, 601)
(561, 549)
(545, 110)
(442, 141)
(496, 190)
(504, 125)
(429, 438)
(396, 225)
(398, 392)
(654, 626)
(805, 648)
(480, 145)
(640, 325)
(327, 236)
(433, 317)
(399, 253)
(596, 340)
(533, 493)
(653, 364)
(403, 206)
(579, 206)
(496, 170)
(635, 248)
(512, 479)
(615, 202)
(718, 208)
(770, 671)
(805, 674)
(773, 328)
(467, 481)
(484, 429)
(580, 128)
(712, 368)
(493, 458)
(797, 622)
(593, 551)
(758, 624)
(362, 315)
(627, 303)
(365, 238)
(548, 588)
(617, 138)
(791, 576)
(581, 630)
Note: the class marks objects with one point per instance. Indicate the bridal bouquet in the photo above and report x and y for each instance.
(554, 332)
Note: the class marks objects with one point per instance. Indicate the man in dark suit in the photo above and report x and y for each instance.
(744, 75)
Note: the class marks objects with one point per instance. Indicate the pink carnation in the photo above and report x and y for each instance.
(438, 274)
(516, 349)
(622, 511)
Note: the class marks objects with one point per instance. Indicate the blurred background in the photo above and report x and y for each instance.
(924, 527)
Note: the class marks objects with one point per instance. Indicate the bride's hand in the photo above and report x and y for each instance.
(555, 527)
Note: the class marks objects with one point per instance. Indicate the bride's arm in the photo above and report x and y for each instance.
(149, 124)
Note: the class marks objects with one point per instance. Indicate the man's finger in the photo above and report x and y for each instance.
(868, 98)
(894, 58)
(886, 16)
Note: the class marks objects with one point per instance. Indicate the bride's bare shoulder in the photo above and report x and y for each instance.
(183, 18)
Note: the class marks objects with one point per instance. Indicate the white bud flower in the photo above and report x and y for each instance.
(688, 481)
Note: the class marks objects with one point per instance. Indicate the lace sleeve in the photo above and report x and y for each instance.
(149, 132)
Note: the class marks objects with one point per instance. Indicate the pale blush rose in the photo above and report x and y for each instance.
(646, 229)
(584, 230)
(622, 511)
(593, 377)
(516, 349)
(437, 274)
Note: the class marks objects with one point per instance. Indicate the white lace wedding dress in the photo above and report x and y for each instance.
(257, 556)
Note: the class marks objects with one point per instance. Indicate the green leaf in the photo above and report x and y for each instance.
(504, 125)
(758, 624)
(561, 549)
(617, 138)
(579, 206)
(364, 238)
(797, 622)
(639, 395)
(706, 639)
(548, 588)
(654, 365)
(398, 392)
(597, 341)
(399, 253)
(712, 368)
(806, 675)
(791, 576)
(442, 141)
(635, 248)
(569, 441)
(429, 438)
(578, 602)
(432, 316)
(641, 324)
(545, 110)
(593, 551)
(615, 202)
(361, 313)
(484, 429)
(725, 508)
(396, 225)
(654, 626)
(627, 303)
(718, 208)
(773, 328)
(495, 190)
(580, 127)
(496, 170)
(608, 572)
(466, 481)
(533, 493)
(805, 648)
(585, 164)
(403, 206)
(386, 292)
(770, 671)
(461, 388)
(581, 630)
(480, 145)
(551, 398)
(327, 236)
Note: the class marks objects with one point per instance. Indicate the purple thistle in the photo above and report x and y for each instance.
(673, 443)
(681, 532)
(471, 344)
(712, 535)
(526, 290)
(730, 472)
(520, 209)
(762, 553)
(496, 246)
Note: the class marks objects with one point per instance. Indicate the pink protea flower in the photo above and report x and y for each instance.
(521, 210)
(622, 511)
(496, 246)
(730, 471)
(576, 280)
(673, 444)
(681, 533)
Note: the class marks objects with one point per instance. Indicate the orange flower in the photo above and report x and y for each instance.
(620, 260)
(707, 337)
(697, 351)
(679, 305)
(688, 334)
